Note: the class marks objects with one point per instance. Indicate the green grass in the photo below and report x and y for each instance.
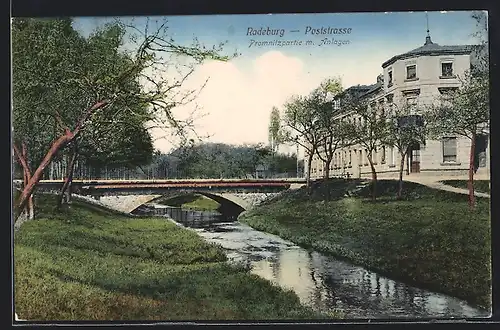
(202, 203)
(193, 202)
(430, 238)
(90, 264)
(479, 185)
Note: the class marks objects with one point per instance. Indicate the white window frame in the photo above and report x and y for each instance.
(442, 150)
(390, 77)
(406, 71)
(444, 61)
(392, 157)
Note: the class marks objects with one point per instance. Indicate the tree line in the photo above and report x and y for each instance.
(220, 161)
(202, 160)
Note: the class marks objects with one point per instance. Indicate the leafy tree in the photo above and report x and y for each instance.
(88, 76)
(275, 138)
(45, 53)
(281, 163)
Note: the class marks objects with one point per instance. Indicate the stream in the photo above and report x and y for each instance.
(320, 281)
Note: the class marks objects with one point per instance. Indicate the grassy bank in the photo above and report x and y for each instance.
(428, 238)
(89, 264)
(193, 202)
(479, 185)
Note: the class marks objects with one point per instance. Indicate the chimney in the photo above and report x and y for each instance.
(380, 79)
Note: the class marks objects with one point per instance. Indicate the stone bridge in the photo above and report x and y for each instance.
(234, 196)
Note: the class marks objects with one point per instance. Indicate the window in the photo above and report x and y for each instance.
(447, 90)
(449, 150)
(481, 149)
(389, 81)
(411, 71)
(366, 157)
(360, 163)
(412, 104)
(382, 160)
(447, 69)
(350, 157)
(336, 104)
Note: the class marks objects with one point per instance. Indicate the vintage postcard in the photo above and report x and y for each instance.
(294, 167)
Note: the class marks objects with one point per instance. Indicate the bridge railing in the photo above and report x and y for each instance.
(153, 181)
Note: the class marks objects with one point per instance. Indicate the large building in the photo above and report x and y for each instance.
(414, 78)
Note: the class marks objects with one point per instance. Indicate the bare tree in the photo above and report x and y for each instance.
(322, 101)
(404, 130)
(463, 112)
(300, 126)
(369, 131)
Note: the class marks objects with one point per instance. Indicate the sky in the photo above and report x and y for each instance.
(236, 102)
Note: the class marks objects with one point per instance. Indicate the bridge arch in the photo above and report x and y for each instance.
(228, 203)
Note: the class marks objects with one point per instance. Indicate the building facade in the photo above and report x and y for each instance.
(417, 77)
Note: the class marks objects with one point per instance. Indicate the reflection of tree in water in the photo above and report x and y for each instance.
(276, 266)
(327, 284)
(437, 305)
(191, 218)
(320, 294)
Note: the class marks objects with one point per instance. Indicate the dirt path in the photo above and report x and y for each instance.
(434, 182)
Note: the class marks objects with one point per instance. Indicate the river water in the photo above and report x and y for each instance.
(320, 281)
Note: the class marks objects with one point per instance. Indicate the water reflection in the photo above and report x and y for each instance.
(320, 281)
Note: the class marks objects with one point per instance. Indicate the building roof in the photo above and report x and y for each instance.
(356, 90)
(431, 48)
(374, 88)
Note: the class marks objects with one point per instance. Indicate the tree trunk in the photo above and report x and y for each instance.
(30, 187)
(401, 169)
(472, 201)
(326, 176)
(65, 194)
(374, 178)
(59, 143)
(308, 176)
(326, 169)
(23, 160)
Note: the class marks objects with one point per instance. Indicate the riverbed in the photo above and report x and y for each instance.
(320, 281)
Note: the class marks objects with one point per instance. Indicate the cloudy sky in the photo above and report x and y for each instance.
(240, 93)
